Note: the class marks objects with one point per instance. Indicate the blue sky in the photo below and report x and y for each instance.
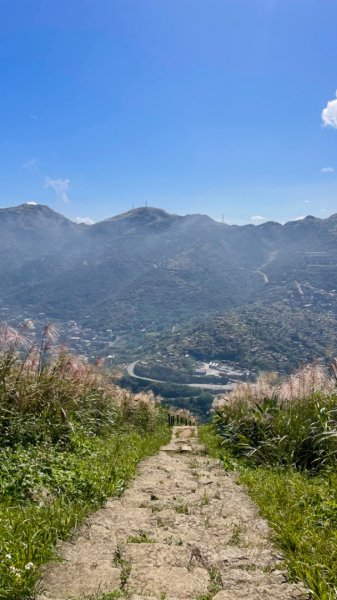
(211, 106)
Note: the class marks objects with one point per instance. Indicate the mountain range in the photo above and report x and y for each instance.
(147, 269)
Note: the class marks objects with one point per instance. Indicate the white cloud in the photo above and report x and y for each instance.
(327, 170)
(85, 220)
(32, 203)
(60, 187)
(299, 218)
(258, 218)
(329, 114)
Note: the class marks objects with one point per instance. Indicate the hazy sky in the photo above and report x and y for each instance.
(211, 106)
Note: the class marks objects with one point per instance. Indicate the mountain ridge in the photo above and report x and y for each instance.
(148, 269)
(154, 212)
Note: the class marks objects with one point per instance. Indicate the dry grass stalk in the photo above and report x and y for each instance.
(302, 384)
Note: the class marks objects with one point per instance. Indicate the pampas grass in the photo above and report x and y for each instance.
(289, 422)
(47, 392)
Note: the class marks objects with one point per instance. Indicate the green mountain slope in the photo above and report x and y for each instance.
(147, 269)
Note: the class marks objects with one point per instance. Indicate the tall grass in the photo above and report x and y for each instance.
(287, 423)
(69, 438)
(281, 435)
(46, 394)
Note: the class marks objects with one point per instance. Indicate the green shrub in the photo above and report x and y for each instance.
(275, 425)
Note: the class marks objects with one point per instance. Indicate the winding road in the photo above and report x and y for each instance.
(206, 386)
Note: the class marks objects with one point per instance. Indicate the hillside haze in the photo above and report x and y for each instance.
(147, 269)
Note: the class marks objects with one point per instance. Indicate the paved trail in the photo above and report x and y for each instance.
(183, 530)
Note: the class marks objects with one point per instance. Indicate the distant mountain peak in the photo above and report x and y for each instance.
(32, 213)
(137, 219)
(144, 214)
(30, 207)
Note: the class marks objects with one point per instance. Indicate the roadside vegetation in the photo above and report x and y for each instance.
(282, 439)
(183, 397)
(69, 439)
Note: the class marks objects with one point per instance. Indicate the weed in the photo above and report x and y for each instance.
(236, 535)
(125, 574)
(216, 581)
(108, 596)
(142, 538)
(215, 585)
(252, 568)
(181, 508)
(125, 566)
(118, 559)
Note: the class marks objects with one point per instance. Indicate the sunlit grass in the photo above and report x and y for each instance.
(291, 422)
(302, 511)
(69, 439)
(300, 507)
(30, 529)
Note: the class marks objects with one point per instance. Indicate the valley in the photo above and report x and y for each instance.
(174, 294)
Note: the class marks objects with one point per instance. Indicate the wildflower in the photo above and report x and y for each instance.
(29, 566)
(13, 569)
(8, 556)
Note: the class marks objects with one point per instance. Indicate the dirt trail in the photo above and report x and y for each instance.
(183, 530)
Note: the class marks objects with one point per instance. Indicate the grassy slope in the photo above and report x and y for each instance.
(301, 509)
(78, 481)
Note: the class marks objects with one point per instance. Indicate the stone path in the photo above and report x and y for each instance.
(183, 530)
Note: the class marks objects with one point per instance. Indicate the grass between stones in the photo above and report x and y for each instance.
(301, 509)
(141, 538)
